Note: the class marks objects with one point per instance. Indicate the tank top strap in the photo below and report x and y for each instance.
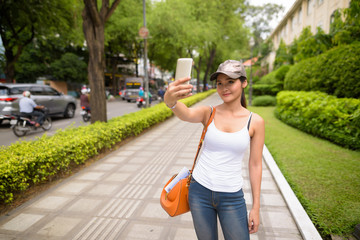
(249, 120)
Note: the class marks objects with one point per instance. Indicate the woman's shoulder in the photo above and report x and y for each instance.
(206, 111)
(257, 120)
(256, 117)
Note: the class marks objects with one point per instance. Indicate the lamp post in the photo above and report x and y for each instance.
(144, 32)
(251, 43)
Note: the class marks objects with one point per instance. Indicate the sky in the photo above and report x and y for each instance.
(285, 3)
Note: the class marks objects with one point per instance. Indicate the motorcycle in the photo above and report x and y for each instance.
(85, 113)
(21, 125)
(140, 102)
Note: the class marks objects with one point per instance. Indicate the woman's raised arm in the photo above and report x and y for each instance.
(178, 90)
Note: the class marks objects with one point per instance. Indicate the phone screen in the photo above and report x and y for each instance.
(183, 68)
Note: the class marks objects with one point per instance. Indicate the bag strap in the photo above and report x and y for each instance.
(212, 114)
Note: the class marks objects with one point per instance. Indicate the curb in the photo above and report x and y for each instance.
(302, 220)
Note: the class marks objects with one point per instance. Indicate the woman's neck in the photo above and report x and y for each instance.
(233, 106)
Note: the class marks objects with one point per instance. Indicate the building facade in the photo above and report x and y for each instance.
(303, 13)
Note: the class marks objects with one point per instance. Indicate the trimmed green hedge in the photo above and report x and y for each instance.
(29, 162)
(265, 100)
(322, 115)
(265, 89)
(335, 72)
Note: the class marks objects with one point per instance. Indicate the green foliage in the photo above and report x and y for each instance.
(23, 21)
(30, 162)
(31, 65)
(265, 49)
(309, 46)
(348, 31)
(322, 115)
(282, 56)
(181, 28)
(335, 72)
(281, 73)
(265, 89)
(265, 100)
(272, 83)
(70, 68)
(121, 32)
(324, 176)
(269, 78)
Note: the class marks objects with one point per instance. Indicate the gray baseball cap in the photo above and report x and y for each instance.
(232, 68)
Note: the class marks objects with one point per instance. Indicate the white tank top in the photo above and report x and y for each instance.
(220, 162)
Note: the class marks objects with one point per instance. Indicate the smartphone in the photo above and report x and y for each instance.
(183, 68)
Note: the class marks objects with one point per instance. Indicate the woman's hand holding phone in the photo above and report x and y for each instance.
(177, 90)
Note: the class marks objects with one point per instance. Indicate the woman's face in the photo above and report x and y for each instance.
(229, 89)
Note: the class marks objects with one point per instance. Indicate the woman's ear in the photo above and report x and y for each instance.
(244, 83)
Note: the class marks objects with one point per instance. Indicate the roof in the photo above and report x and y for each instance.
(247, 63)
(283, 21)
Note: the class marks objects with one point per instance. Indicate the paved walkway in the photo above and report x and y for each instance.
(118, 196)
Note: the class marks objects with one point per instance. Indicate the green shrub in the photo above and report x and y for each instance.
(335, 72)
(29, 162)
(322, 115)
(269, 78)
(265, 100)
(281, 72)
(265, 89)
(272, 83)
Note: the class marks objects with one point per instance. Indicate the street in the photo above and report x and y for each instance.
(115, 108)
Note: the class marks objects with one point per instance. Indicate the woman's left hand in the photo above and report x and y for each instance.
(254, 221)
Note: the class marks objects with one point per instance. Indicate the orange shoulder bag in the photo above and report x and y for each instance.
(176, 202)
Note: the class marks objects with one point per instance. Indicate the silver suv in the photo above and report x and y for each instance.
(57, 103)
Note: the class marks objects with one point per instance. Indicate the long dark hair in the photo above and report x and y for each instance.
(243, 98)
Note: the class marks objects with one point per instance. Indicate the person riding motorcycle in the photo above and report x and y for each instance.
(28, 106)
(84, 99)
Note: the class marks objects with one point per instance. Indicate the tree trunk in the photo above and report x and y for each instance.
(11, 59)
(9, 72)
(209, 64)
(94, 35)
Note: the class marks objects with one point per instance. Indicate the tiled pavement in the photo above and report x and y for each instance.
(118, 196)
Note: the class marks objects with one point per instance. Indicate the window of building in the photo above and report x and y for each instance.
(320, 2)
(332, 17)
(309, 6)
(300, 16)
(292, 23)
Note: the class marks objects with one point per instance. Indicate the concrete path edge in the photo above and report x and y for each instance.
(303, 221)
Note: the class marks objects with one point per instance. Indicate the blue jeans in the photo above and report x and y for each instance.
(206, 205)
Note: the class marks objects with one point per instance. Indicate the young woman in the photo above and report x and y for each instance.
(216, 185)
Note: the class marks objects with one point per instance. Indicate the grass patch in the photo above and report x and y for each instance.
(324, 176)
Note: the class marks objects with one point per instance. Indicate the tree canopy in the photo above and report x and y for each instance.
(24, 20)
(208, 31)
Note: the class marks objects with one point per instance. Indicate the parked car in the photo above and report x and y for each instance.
(56, 102)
